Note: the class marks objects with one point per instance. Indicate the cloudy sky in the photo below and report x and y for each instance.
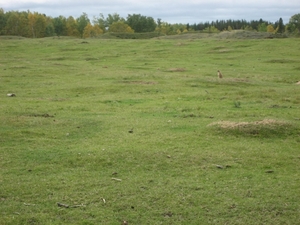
(171, 11)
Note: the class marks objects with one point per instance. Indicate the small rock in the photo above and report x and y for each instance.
(11, 95)
(219, 167)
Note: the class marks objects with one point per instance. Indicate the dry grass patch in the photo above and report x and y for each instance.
(262, 128)
(176, 70)
(242, 80)
(141, 82)
(235, 125)
(179, 44)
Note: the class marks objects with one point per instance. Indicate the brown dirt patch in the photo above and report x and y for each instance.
(298, 82)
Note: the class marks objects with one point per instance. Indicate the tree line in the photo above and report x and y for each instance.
(37, 25)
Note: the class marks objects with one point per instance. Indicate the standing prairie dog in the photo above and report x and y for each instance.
(220, 74)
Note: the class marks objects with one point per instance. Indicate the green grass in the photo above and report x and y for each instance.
(187, 147)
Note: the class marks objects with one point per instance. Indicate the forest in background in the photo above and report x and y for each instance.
(36, 25)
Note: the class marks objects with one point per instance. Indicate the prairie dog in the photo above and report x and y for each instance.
(220, 74)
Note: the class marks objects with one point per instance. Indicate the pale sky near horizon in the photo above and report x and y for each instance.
(171, 11)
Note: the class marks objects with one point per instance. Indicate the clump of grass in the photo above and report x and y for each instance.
(237, 104)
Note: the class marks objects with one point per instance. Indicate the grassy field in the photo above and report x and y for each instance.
(143, 131)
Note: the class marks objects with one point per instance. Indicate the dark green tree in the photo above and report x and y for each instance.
(100, 21)
(262, 27)
(141, 23)
(17, 23)
(59, 24)
(49, 30)
(280, 28)
(82, 22)
(294, 23)
(105, 23)
(2, 21)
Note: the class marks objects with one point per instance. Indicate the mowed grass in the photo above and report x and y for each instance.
(143, 131)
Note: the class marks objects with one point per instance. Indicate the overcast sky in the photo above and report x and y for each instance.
(171, 11)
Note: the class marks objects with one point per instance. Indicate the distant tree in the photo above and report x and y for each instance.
(211, 29)
(179, 28)
(100, 21)
(112, 18)
(164, 28)
(229, 28)
(141, 23)
(92, 31)
(31, 22)
(17, 24)
(255, 23)
(49, 27)
(96, 31)
(60, 25)
(280, 27)
(158, 22)
(120, 27)
(2, 21)
(87, 31)
(294, 23)
(82, 22)
(270, 28)
(262, 27)
(248, 27)
(72, 27)
(104, 23)
(37, 24)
